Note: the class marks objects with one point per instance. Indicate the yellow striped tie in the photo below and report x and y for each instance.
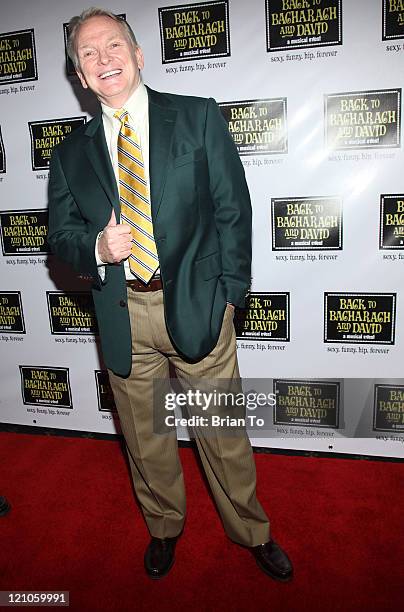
(134, 196)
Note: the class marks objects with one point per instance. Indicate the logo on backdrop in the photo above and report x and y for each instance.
(106, 402)
(257, 126)
(388, 408)
(292, 24)
(307, 402)
(18, 57)
(391, 222)
(266, 317)
(70, 70)
(46, 386)
(11, 312)
(71, 313)
(24, 232)
(45, 135)
(363, 119)
(362, 318)
(306, 223)
(2, 155)
(194, 31)
(393, 19)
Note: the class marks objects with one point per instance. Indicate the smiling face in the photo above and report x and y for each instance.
(109, 62)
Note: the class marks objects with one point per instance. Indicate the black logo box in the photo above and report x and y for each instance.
(60, 328)
(106, 401)
(10, 300)
(279, 208)
(274, 108)
(380, 420)
(70, 69)
(35, 130)
(8, 248)
(392, 19)
(329, 390)
(218, 11)
(391, 100)
(278, 33)
(57, 376)
(385, 301)
(389, 206)
(2, 155)
(21, 40)
(279, 301)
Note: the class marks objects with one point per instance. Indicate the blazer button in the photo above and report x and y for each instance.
(122, 303)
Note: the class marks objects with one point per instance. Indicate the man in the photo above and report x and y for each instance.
(169, 264)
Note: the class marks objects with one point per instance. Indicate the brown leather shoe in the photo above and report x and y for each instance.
(159, 557)
(273, 561)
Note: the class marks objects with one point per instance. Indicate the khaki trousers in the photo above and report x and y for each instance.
(156, 470)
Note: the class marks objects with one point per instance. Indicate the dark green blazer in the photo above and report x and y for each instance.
(201, 217)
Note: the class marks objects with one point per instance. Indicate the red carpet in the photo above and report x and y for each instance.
(74, 526)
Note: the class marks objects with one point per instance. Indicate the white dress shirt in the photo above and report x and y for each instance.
(138, 108)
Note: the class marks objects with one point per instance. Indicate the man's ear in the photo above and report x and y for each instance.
(139, 58)
(82, 79)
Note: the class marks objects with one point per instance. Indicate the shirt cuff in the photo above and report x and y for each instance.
(97, 256)
(100, 264)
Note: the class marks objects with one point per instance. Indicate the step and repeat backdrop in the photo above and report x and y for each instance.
(312, 94)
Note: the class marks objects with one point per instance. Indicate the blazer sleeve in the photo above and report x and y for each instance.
(231, 198)
(69, 235)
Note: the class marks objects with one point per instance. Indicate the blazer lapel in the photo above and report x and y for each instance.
(161, 128)
(98, 155)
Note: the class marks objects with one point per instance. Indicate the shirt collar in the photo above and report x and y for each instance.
(136, 105)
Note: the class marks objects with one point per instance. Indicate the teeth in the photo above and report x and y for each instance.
(110, 73)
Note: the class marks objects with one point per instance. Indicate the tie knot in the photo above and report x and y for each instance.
(121, 115)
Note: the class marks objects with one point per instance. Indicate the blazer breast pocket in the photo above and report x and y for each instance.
(189, 158)
(190, 175)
